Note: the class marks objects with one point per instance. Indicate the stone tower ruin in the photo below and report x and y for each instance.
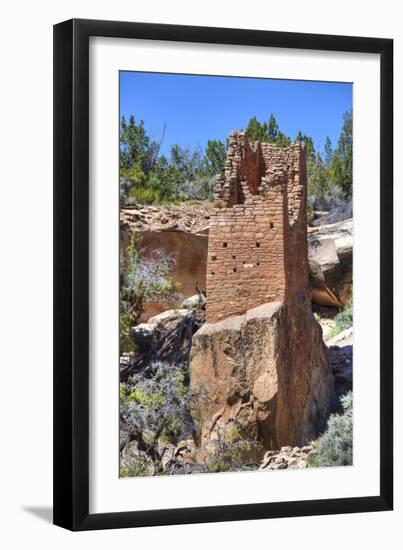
(257, 247)
(260, 358)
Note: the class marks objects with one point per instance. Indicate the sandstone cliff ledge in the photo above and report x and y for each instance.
(267, 369)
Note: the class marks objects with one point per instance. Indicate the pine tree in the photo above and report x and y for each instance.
(215, 155)
(342, 163)
(256, 131)
(272, 130)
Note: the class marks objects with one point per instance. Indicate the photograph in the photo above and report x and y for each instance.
(205, 243)
(236, 274)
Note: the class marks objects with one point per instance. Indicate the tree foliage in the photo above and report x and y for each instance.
(147, 177)
(268, 132)
(136, 147)
(342, 161)
(216, 152)
(329, 173)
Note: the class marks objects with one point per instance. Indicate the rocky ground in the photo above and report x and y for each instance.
(290, 458)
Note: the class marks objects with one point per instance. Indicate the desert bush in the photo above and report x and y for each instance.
(335, 446)
(143, 278)
(151, 279)
(125, 325)
(155, 407)
(198, 189)
(343, 320)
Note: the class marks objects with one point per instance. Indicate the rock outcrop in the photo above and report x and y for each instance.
(266, 369)
(165, 337)
(185, 217)
(330, 257)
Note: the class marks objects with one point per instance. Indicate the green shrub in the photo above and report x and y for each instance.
(126, 342)
(143, 195)
(143, 279)
(335, 446)
(155, 408)
(343, 320)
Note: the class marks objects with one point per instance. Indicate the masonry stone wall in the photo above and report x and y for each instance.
(257, 249)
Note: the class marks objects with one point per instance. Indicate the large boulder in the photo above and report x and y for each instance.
(165, 337)
(266, 369)
(330, 258)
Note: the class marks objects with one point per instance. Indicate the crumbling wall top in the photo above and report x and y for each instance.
(252, 168)
(257, 251)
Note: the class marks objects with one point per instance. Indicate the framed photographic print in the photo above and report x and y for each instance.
(222, 217)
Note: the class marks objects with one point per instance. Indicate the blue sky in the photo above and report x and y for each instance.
(198, 108)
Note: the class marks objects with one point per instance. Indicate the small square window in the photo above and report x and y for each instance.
(224, 245)
(271, 225)
(257, 245)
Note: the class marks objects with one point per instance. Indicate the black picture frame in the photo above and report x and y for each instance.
(71, 274)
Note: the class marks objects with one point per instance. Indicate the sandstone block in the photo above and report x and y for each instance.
(268, 369)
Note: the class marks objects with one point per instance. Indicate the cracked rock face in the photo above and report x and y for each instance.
(266, 369)
(330, 258)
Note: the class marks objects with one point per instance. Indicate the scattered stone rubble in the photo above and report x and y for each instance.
(287, 458)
